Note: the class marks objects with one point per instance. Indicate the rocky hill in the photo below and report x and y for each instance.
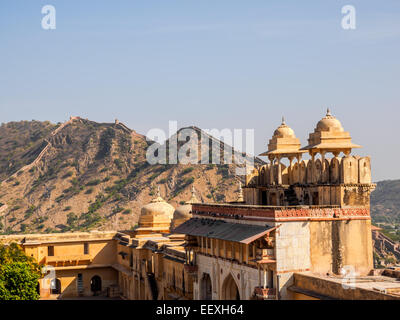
(21, 143)
(386, 251)
(81, 175)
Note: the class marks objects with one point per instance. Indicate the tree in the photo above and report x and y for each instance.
(19, 274)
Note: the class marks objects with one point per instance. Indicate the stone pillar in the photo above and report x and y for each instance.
(323, 167)
(298, 161)
(265, 277)
(290, 170)
(312, 166)
(271, 171)
(279, 171)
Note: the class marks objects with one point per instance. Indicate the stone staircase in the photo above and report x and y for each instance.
(290, 197)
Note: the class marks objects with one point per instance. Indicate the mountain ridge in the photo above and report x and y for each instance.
(81, 175)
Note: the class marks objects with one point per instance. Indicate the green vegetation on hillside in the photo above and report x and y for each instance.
(385, 202)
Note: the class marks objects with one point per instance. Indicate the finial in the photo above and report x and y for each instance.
(193, 198)
(240, 196)
(158, 192)
(283, 121)
(328, 112)
(158, 197)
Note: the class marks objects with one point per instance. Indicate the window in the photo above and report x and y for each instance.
(86, 248)
(50, 251)
(79, 281)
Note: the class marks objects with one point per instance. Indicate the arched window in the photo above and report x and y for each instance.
(95, 285)
(55, 286)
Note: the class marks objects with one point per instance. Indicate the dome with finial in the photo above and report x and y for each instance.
(284, 131)
(183, 212)
(329, 136)
(156, 216)
(283, 143)
(329, 123)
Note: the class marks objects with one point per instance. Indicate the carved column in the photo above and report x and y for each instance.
(279, 171)
(323, 166)
(299, 166)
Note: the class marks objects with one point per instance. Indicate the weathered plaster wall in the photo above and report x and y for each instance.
(338, 243)
(292, 253)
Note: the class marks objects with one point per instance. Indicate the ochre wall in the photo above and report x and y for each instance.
(68, 279)
(102, 251)
(341, 243)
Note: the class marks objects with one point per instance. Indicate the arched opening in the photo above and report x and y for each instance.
(306, 199)
(264, 197)
(230, 290)
(206, 287)
(315, 198)
(55, 286)
(95, 285)
(281, 200)
(272, 199)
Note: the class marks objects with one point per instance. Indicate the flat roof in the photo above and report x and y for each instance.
(377, 283)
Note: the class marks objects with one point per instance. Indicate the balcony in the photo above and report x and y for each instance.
(265, 293)
(67, 260)
(264, 256)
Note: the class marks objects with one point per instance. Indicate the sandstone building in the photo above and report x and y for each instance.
(300, 230)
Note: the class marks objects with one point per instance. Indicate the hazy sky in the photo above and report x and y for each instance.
(212, 64)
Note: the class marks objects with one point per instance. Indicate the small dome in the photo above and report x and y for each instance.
(182, 213)
(284, 131)
(329, 123)
(157, 209)
(156, 212)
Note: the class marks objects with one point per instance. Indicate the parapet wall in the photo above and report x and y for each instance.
(344, 170)
(327, 288)
(279, 213)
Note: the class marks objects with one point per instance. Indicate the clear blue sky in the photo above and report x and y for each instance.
(213, 64)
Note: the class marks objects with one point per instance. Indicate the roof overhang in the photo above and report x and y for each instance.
(222, 230)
